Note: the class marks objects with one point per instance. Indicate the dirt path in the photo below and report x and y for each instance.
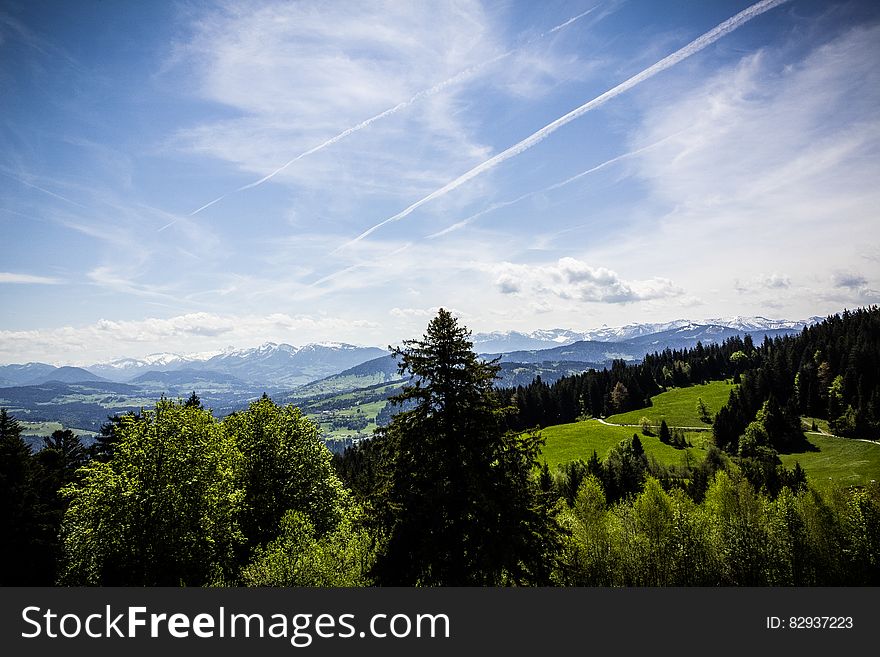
(820, 432)
(612, 424)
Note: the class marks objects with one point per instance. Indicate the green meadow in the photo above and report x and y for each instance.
(679, 406)
(832, 462)
(837, 461)
(568, 442)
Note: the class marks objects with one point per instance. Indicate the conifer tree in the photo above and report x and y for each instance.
(18, 506)
(459, 503)
(665, 435)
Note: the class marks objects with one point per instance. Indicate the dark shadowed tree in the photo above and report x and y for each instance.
(665, 435)
(458, 502)
(19, 532)
(56, 466)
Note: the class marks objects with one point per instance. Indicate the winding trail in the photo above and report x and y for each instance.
(613, 424)
(820, 432)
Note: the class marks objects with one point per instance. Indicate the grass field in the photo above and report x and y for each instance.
(838, 461)
(325, 420)
(679, 406)
(39, 428)
(567, 442)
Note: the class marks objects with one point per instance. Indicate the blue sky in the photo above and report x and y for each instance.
(375, 161)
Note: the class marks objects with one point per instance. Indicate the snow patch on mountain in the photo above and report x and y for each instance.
(503, 341)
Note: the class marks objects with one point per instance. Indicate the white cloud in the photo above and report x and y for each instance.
(297, 74)
(769, 165)
(849, 280)
(422, 313)
(572, 279)
(772, 281)
(27, 279)
(762, 130)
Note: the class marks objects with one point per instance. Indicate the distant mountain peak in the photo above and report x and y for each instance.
(506, 341)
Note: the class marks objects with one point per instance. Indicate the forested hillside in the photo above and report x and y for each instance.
(830, 370)
(453, 491)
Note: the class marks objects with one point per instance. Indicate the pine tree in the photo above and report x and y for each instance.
(665, 435)
(18, 507)
(458, 502)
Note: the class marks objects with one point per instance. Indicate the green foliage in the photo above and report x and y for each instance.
(284, 466)
(736, 537)
(665, 436)
(457, 497)
(187, 500)
(163, 510)
(568, 479)
(703, 411)
(587, 554)
(625, 469)
(300, 556)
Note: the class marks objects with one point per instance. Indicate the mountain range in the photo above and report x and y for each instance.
(507, 341)
(285, 366)
(271, 364)
(225, 381)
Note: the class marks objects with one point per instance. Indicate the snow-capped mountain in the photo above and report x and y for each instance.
(501, 341)
(270, 364)
(125, 369)
(762, 323)
(508, 341)
(274, 365)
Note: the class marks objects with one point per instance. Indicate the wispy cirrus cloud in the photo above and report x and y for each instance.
(538, 136)
(770, 157)
(421, 313)
(550, 188)
(458, 77)
(19, 179)
(302, 80)
(27, 279)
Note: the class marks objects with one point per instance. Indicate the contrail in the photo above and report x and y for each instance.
(570, 21)
(567, 181)
(359, 265)
(692, 48)
(392, 110)
(45, 191)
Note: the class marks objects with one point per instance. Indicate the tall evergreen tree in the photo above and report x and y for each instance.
(55, 466)
(18, 507)
(459, 503)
